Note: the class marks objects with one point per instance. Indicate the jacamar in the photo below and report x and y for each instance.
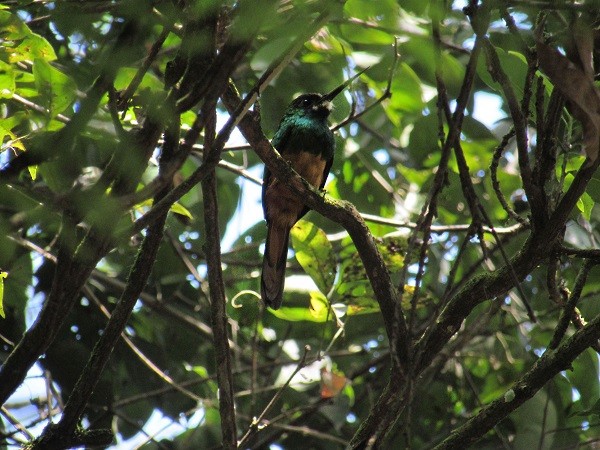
(306, 142)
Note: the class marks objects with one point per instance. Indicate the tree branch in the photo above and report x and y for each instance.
(56, 435)
(212, 248)
(549, 365)
(520, 124)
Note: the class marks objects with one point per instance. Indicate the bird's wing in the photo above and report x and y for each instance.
(266, 182)
(281, 136)
(279, 141)
(326, 172)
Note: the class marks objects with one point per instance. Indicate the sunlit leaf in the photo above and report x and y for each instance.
(353, 287)
(314, 253)
(3, 275)
(57, 90)
(180, 209)
(7, 80)
(32, 171)
(31, 48)
(304, 314)
(175, 207)
(12, 142)
(319, 306)
(12, 28)
(585, 204)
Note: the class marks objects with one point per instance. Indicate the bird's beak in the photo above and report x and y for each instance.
(331, 95)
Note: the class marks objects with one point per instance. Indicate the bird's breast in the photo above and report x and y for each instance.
(282, 207)
(308, 165)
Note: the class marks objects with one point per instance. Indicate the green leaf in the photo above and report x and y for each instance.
(512, 63)
(593, 188)
(182, 210)
(315, 254)
(32, 171)
(319, 306)
(363, 305)
(361, 35)
(407, 92)
(7, 80)
(269, 52)
(56, 89)
(126, 74)
(533, 419)
(13, 141)
(424, 140)
(385, 12)
(20, 43)
(3, 275)
(175, 207)
(318, 311)
(12, 28)
(585, 204)
(353, 287)
(594, 410)
(584, 377)
(31, 48)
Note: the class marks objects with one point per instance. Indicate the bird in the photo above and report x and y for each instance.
(305, 141)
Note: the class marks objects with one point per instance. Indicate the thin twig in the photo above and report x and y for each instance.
(28, 103)
(143, 358)
(506, 259)
(569, 308)
(15, 423)
(473, 388)
(126, 95)
(429, 209)
(258, 422)
(496, 184)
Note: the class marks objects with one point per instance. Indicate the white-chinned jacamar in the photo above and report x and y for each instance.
(306, 142)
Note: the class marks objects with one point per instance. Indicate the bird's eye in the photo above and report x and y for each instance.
(305, 102)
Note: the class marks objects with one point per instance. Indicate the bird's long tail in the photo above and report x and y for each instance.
(273, 272)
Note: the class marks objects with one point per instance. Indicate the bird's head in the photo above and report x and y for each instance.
(317, 105)
(311, 105)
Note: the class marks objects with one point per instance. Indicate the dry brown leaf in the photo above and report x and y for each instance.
(332, 383)
(583, 41)
(575, 81)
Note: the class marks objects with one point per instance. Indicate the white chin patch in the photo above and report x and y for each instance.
(327, 105)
